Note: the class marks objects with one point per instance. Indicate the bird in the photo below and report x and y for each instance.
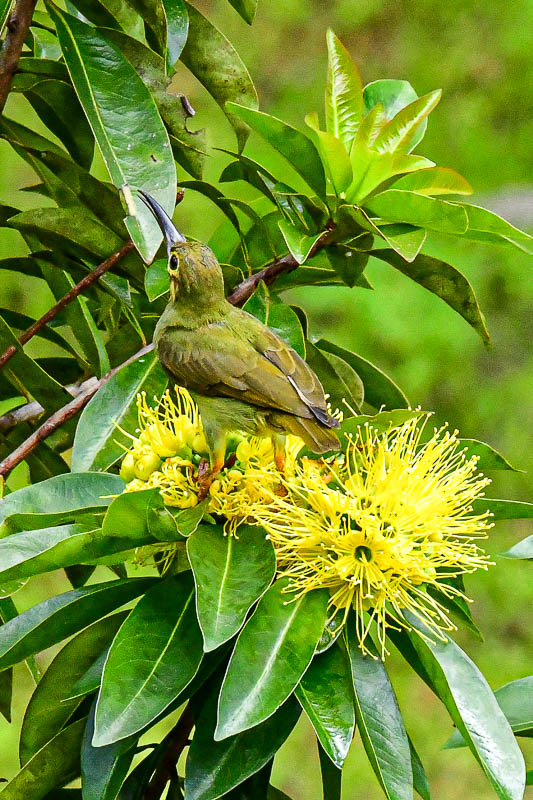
(243, 377)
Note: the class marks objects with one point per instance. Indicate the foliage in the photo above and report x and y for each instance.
(223, 639)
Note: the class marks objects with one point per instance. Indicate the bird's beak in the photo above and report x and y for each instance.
(168, 229)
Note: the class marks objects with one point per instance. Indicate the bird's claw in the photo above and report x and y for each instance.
(205, 478)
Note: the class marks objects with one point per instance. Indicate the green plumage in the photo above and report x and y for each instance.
(243, 376)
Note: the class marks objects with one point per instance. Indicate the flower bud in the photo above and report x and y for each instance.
(199, 444)
(127, 468)
(146, 465)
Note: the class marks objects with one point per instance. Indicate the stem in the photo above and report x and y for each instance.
(175, 741)
(17, 30)
(80, 287)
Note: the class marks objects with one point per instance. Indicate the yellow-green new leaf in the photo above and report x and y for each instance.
(399, 132)
(344, 93)
(334, 156)
(435, 181)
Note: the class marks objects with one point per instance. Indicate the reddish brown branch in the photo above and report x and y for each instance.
(176, 741)
(80, 287)
(17, 29)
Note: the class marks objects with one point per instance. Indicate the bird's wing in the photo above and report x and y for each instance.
(240, 357)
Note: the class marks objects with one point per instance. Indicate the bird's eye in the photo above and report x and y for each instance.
(173, 261)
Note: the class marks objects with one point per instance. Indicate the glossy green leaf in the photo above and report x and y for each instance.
(118, 105)
(338, 383)
(489, 458)
(522, 550)
(380, 390)
(56, 764)
(103, 769)
(177, 29)
(504, 509)
(334, 156)
(399, 132)
(217, 65)
(298, 242)
(6, 693)
(213, 768)
(516, 701)
(475, 711)
(230, 574)
(443, 280)
(20, 321)
(57, 105)
(406, 240)
(111, 14)
(246, 8)
(344, 93)
(156, 282)
(348, 264)
(331, 777)
(482, 221)
(396, 205)
(434, 181)
(98, 441)
(349, 379)
(379, 720)
(49, 709)
(326, 694)
(53, 620)
(5, 7)
(393, 95)
(59, 496)
(149, 665)
(297, 148)
(142, 516)
(91, 679)
(420, 781)
(283, 321)
(272, 652)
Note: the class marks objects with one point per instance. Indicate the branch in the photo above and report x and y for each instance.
(63, 415)
(269, 274)
(176, 741)
(80, 287)
(17, 30)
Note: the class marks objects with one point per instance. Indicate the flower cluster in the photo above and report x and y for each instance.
(387, 525)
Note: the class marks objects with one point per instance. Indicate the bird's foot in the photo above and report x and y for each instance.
(205, 478)
(279, 458)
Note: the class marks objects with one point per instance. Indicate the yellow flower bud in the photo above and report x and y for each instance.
(127, 468)
(235, 475)
(244, 451)
(199, 444)
(146, 465)
(214, 488)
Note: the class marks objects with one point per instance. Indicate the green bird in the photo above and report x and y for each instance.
(242, 376)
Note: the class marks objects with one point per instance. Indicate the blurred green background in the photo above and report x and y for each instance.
(484, 128)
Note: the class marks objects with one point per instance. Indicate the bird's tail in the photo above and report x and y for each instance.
(316, 437)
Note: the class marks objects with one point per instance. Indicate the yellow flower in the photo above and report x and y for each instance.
(380, 525)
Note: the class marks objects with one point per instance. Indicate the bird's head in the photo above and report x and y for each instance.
(192, 267)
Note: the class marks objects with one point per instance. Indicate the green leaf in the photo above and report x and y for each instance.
(149, 665)
(103, 769)
(489, 458)
(272, 652)
(6, 693)
(420, 781)
(396, 205)
(404, 239)
(5, 7)
(326, 694)
(212, 59)
(90, 680)
(111, 14)
(246, 8)
(334, 156)
(474, 709)
(516, 701)
(156, 282)
(216, 197)
(177, 29)
(23, 371)
(393, 96)
(138, 516)
(379, 720)
(482, 221)
(522, 550)
(118, 105)
(56, 764)
(504, 509)
(348, 264)
(331, 777)
(344, 93)
(98, 441)
(230, 574)
(337, 382)
(297, 148)
(284, 321)
(53, 620)
(380, 390)
(52, 500)
(400, 132)
(49, 708)
(298, 242)
(213, 768)
(443, 280)
(434, 181)
(57, 105)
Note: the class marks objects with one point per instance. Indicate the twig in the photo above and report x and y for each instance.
(63, 415)
(80, 287)
(269, 274)
(17, 30)
(176, 741)
(88, 388)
